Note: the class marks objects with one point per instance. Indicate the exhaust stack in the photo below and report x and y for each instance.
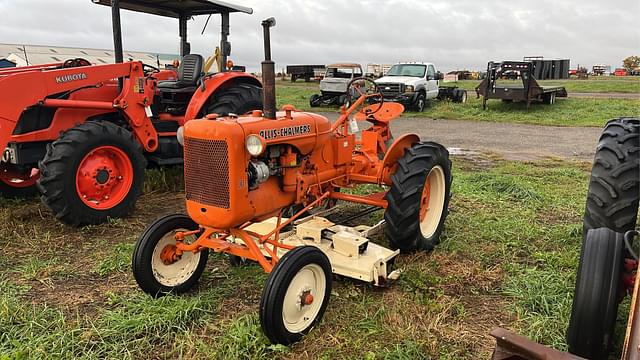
(268, 73)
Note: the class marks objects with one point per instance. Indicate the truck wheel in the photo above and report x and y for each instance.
(597, 293)
(420, 103)
(296, 295)
(18, 188)
(93, 172)
(419, 198)
(157, 268)
(549, 98)
(315, 100)
(460, 96)
(612, 198)
(238, 99)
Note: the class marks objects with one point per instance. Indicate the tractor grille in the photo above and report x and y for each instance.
(206, 172)
(391, 89)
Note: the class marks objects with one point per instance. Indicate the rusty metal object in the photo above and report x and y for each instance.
(268, 73)
(515, 347)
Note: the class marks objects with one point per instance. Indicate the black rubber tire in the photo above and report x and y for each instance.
(460, 96)
(420, 103)
(12, 192)
(276, 287)
(597, 294)
(549, 98)
(402, 214)
(237, 99)
(315, 100)
(614, 188)
(58, 169)
(143, 253)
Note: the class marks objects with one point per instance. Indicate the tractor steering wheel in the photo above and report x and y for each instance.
(148, 69)
(77, 62)
(363, 86)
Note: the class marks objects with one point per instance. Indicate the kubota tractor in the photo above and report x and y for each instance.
(83, 134)
(252, 180)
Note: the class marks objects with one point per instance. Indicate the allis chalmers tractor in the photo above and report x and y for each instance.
(251, 182)
(83, 134)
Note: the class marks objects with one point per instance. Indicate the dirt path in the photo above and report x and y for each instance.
(632, 96)
(512, 141)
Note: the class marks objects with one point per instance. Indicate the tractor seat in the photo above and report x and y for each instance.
(175, 95)
(189, 72)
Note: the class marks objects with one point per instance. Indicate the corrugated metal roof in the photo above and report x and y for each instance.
(173, 8)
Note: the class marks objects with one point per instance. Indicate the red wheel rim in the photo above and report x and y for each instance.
(104, 177)
(19, 181)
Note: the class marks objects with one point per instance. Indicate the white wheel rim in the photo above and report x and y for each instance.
(295, 315)
(433, 196)
(464, 97)
(177, 273)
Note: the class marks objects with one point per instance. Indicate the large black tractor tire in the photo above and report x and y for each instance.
(597, 293)
(70, 165)
(237, 99)
(418, 199)
(612, 199)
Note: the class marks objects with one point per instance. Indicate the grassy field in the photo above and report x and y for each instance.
(602, 84)
(508, 258)
(566, 112)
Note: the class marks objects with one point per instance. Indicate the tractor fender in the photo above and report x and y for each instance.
(394, 152)
(212, 84)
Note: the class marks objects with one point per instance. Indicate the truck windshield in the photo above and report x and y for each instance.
(407, 70)
(343, 73)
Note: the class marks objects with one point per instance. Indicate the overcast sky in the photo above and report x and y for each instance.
(453, 34)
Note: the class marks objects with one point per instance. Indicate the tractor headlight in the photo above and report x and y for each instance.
(180, 135)
(255, 145)
(409, 89)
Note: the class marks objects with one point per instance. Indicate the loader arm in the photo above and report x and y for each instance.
(35, 87)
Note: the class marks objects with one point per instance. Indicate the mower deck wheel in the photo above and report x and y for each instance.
(419, 198)
(597, 294)
(157, 267)
(296, 295)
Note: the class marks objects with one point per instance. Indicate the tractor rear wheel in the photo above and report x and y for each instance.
(614, 188)
(237, 99)
(419, 198)
(156, 266)
(93, 172)
(296, 295)
(597, 293)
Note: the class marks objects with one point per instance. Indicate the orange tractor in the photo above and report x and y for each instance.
(83, 134)
(252, 182)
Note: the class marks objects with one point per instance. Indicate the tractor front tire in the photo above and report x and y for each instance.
(418, 199)
(614, 188)
(93, 172)
(597, 293)
(237, 99)
(18, 189)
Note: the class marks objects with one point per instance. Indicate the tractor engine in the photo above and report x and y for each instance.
(238, 169)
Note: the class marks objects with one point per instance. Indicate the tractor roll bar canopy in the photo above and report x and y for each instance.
(180, 9)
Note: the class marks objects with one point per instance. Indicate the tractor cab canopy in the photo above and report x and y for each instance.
(183, 10)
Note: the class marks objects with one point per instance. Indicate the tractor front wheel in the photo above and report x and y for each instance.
(157, 267)
(16, 187)
(93, 172)
(419, 198)
(296, 295)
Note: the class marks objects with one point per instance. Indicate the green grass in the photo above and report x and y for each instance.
(508, 256)
(604, 84)
(566, 112)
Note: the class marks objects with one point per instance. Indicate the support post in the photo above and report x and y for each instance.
(225, 46)
(117, 36)
(185, 47)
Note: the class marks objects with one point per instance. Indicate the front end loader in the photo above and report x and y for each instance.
(82, 135)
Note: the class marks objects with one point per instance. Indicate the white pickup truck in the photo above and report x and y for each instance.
(413, 84)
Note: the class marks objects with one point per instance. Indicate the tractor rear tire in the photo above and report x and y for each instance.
(614, 188)
(237, 99)
(597, 294)
(93, 172)
(418, 199)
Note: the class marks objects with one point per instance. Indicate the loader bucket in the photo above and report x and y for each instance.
(515, 347)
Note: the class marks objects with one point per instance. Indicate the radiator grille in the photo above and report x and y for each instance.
(206, 172)
(391, 89)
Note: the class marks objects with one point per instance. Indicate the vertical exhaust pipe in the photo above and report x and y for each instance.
(268, 73)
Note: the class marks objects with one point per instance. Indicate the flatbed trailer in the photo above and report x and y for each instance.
(529, 91)
(306, 72)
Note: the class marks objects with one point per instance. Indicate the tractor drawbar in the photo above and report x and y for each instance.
(268, 73)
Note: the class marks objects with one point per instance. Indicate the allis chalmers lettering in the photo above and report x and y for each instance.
(285, 131)
(71, 77)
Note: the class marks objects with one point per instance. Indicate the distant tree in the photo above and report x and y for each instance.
(631, 62)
